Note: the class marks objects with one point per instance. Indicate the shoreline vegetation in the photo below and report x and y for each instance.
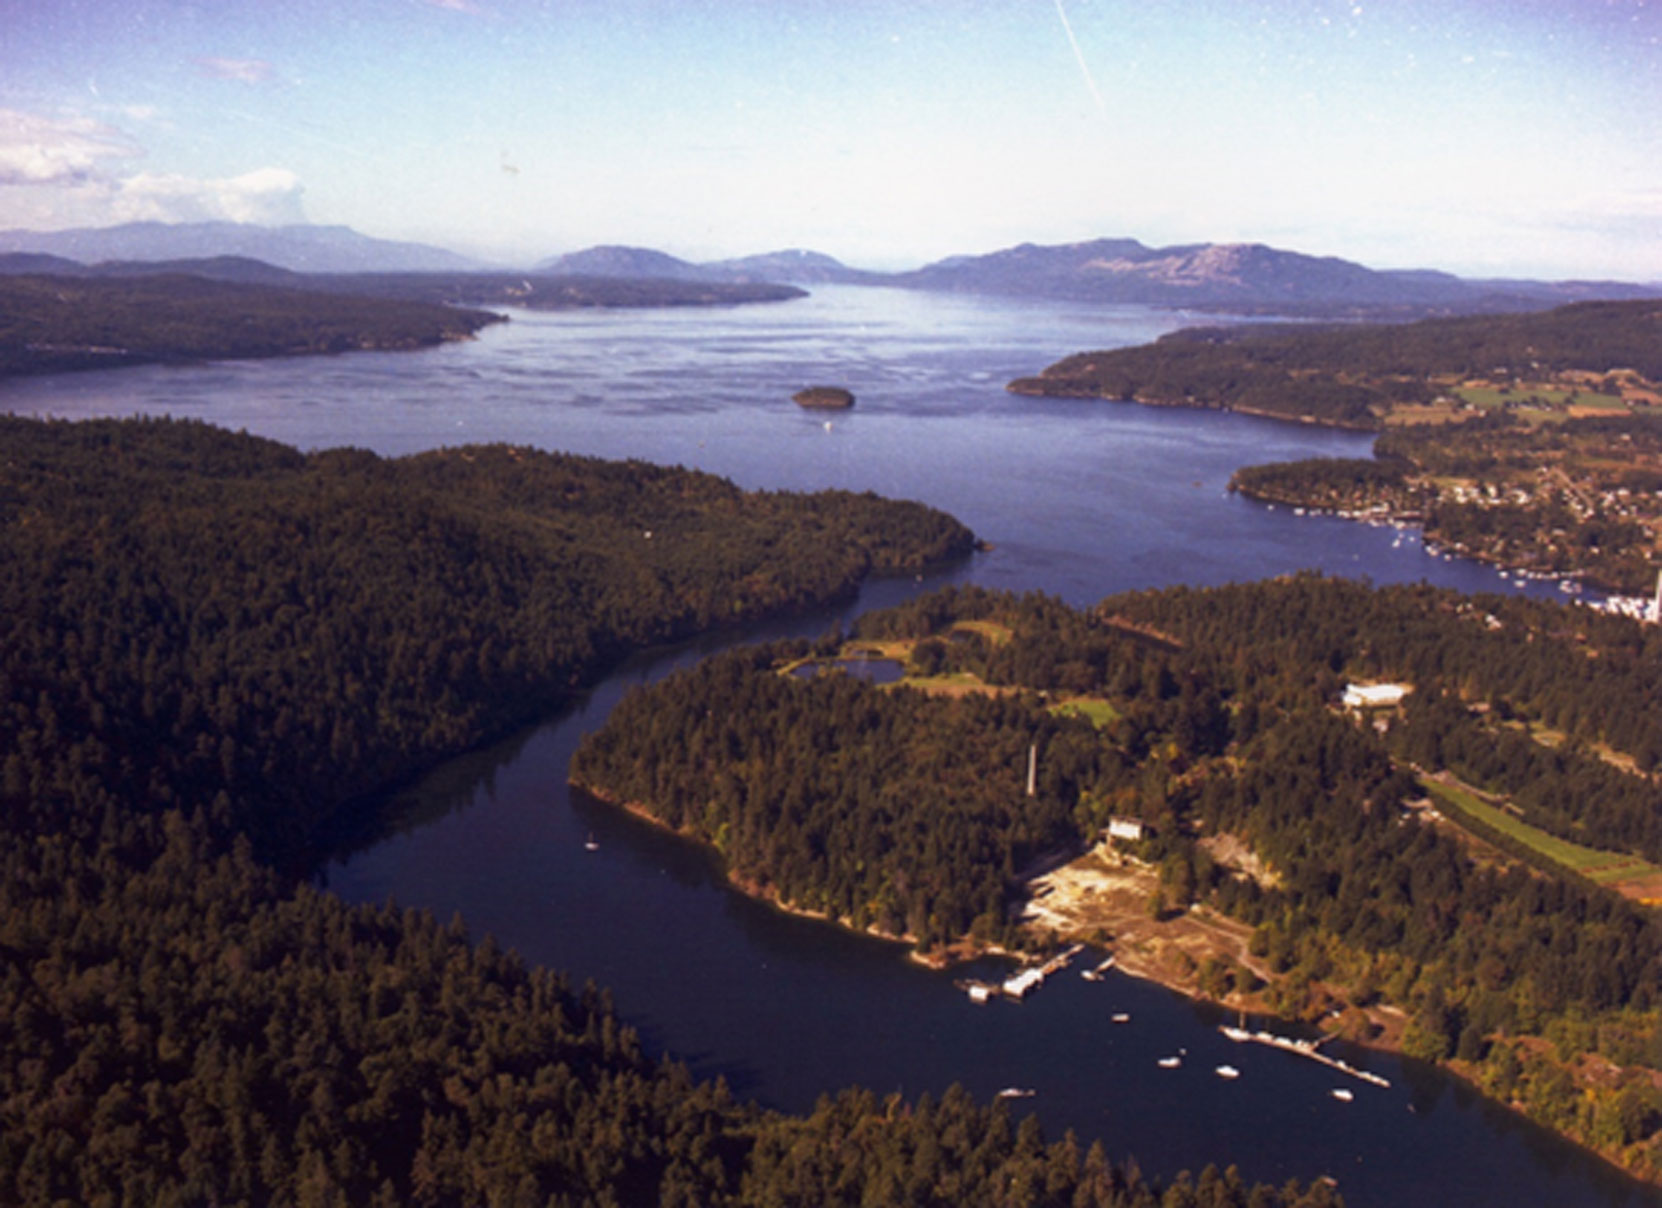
(62, 323)
(59, 324)
(1532, 442)
(1256, 790)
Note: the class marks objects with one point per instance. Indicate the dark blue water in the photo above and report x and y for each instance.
(1079, 499)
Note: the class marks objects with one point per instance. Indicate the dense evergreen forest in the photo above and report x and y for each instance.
(1354, 376)
(1224, 721)
(53, 323)
(192, 616)
(209, 643)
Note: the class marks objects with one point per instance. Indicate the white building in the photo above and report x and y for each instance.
(1126, 828)
(1374, 696)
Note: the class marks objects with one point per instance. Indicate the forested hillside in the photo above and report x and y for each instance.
(1355, 376)
(1216, 715)
(197, 619)
(53, 323)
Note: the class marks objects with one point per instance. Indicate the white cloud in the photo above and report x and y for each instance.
(270, 196)
(246, 71)
(37, 150)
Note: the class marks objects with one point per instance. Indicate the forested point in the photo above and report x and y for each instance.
(195, 619)
(50, 324)
(903, 810)
(1354, 376)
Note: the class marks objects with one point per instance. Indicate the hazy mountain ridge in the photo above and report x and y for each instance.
(1226, 277)
(300, 248)
(1243, 276)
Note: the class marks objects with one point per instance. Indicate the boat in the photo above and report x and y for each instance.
(1169, 1063)
(1016, 1092)
(1095, 974)
(1341, 1094)
(591, 844)
(1120, 1017)
(1227, 1071)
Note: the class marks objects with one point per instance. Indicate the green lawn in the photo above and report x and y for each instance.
(1601, 866)
(1493, 396)
(1099, 712)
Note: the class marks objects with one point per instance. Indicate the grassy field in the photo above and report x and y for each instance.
(1604, 867)
(1099, 712)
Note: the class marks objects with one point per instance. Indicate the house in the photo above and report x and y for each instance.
(1126, 828)
(1374, 696)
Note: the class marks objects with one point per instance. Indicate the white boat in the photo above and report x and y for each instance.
(1169, 1063)
(1341, 1094)
(1096, 973)
(591, 844)
(1016, 1092)
(1227, 1071)
(1120, 1017)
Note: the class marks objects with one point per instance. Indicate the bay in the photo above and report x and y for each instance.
(1079, 499)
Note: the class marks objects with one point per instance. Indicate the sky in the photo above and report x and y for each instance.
(1484, 137)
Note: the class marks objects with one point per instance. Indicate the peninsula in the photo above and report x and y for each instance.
(1373, 870)
(52, 323)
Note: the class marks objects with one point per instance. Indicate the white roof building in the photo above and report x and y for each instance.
(1374, 696)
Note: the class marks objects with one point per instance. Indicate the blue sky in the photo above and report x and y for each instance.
(1515, 138)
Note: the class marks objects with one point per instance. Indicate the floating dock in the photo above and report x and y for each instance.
(1303, 1048)
(1023, 982)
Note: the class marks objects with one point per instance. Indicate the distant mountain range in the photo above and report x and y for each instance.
(300, 248)
(1241, 278)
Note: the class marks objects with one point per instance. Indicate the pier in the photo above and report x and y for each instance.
(1303, 1048)
(1023, 982)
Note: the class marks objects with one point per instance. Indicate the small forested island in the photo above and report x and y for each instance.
(1470, 875)
(212, 644)
(831, 398)
(49, 324)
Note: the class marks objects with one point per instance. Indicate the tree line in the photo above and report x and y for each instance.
(49, 324)
(1353, 375)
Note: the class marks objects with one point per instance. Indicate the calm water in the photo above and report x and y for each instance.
(1078, 499)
